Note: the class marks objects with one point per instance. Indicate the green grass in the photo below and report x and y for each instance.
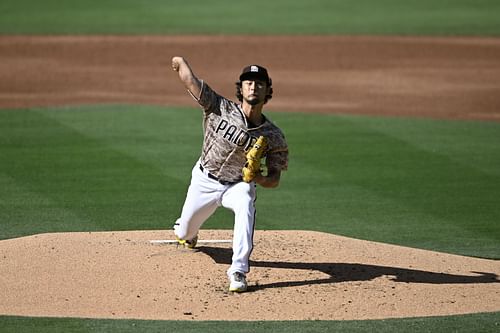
(95, 169)
(421, 183)
(415, 182)
(483, 322)
(395, 17)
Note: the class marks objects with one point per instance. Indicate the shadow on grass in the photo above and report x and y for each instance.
(345, 272)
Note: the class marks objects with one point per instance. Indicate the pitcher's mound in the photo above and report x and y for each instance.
(296, 275)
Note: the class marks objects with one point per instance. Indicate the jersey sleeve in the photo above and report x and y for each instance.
(277, 154)
(209, 100)
(277, 160)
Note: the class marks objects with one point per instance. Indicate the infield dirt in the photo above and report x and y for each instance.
(295, 275)
(404, 76)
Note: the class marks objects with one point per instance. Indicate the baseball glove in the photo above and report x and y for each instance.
(254, 155)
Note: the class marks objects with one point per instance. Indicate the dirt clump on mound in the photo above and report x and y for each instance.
(123, 275)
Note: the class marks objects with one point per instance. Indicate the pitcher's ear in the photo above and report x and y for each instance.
(238, 94)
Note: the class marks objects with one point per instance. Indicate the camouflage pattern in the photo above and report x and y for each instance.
(227, 137)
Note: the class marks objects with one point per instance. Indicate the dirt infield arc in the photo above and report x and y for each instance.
(408, 76)
(122, 275)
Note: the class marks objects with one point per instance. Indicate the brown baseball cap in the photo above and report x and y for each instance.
(255, 72)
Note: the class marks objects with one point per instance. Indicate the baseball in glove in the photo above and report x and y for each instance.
(254, 155)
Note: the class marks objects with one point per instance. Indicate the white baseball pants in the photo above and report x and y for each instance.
(204, 196)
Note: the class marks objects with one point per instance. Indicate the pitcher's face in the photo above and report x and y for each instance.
(254, 91)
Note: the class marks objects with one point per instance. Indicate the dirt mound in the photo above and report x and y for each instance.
(295, 275)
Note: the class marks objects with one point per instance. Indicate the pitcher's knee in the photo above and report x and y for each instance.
(244, 209)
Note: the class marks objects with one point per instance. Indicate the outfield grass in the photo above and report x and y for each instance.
(415, 182)
(482, 322)
(394, 17)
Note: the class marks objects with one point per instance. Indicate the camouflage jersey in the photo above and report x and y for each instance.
(228, 135)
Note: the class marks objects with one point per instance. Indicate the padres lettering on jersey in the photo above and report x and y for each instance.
(227, 137)
(234, 134)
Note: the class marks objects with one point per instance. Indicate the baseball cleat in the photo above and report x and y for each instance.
(190, 244)
(238, 282)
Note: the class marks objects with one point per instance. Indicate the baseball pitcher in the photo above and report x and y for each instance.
(238, 142)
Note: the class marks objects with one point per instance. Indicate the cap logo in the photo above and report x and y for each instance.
(254, 69)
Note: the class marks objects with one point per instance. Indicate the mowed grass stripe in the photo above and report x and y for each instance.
(24, 211)
(366, 17)
(409, 182)
(68, 174)
(364, 181)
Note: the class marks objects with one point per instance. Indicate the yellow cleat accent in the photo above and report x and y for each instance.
(186, 243)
